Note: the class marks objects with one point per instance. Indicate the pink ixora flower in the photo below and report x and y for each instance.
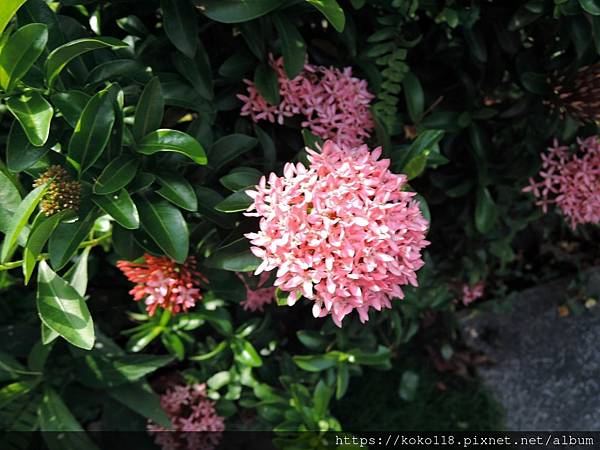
(335, 105)
(472, 293)
(257, 298)
(343, 233)
(571, 181)
(195, 422)
(163, 283)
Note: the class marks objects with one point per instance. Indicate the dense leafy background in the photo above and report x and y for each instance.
(141, 108)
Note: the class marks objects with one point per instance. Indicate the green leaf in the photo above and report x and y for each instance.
(240, 178)
(34, 113)
(78, 274)
(20, 52)
(332, 12)
(149, 111)
(415, 100)
(415, 166)
(19, 219)
(218, 380)
(267, 84)
(100, 371)
(62, 309)
(235, 257)
(236, 202)
(61, 56)
(20, 153)
(124, 243)
(165, 225)
(120, 207)
(379, 357)
(178, 191)
(293, 46)
(181, 25)
(70, 104)
(60, 429)
(313, 340)
(321, 398)
(48, 334)
(8, 10)
(220, 347)
(172, 141)
(207, 200)
(9, 200)
(235, 11)
(197, 71)
(116, 175)
(142, 400)
(230, 147)
(342, 380)
(92, 131)
(409, 384)
(218, 318)
(39, 235)
(485, 211)
(66, 239)
(244, 353)
(316, 363)
(591, 6)
(14, 391)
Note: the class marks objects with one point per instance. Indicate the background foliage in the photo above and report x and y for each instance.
(141, 109)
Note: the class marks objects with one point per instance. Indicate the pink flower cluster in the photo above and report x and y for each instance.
(195, 422)
(571, 181)
(472, 293)
(343, 233)
(335, 105)
(257, 298)
(163, 283)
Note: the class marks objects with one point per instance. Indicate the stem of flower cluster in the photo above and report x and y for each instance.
(91, 243)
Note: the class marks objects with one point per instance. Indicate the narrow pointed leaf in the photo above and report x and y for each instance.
(34, 113)
(71, 105)
(120, 207)
(172, 141)
(20, 153)
(181, 25)
(178, 191)
(149, 111)
(116, 175)
(230, 147)
(20, 52)
(292, 46)
(66, 239)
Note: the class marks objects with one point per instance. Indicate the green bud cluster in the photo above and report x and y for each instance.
(62, 194)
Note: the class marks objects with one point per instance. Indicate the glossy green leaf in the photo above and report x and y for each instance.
(70, 104)
(61, 56)
(116, 175)
(8, 10)
(244, 353)
(20, 52)
(62, 309)
(77, 276)
(149, 111)
(9, 201)
(172, 141)
(236, 202)
(591, 6)
(116, 69)
(267, 83)
(332, 12)
(138, 398)
(415, 166)
(181, 25)
(120, 207)
(39, 235)
(197, 71)
(219, 319)
(342, 381)
(316, 363)
(19, 220)
(207, 200)
(235, 11)
(165, 225)
(230, 147)
(485, 211)
(178, 191)
(415, 99)
(66, 239)
(235, 257)
(124, 243)
(20, 153)
(34, 113)
(240, 178)
(103, 371)
(92, 131)
(293, 46)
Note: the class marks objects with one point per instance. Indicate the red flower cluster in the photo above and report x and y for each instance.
(163, 283)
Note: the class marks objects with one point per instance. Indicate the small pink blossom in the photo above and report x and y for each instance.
(342, 233)
(570, 181)
(472, 293)
(195, 422)
(257, 298)
(163, 283)
(335, 105)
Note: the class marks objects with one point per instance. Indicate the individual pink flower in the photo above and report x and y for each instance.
(257, 298)
(472, 293)
(163, 283)
(571, 181)
(342, 233)
(335, 105)
(195, 422)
